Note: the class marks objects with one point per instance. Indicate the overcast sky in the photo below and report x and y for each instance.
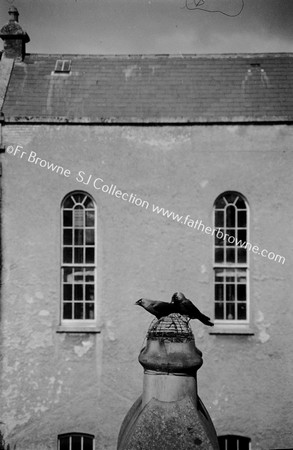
(154, 26)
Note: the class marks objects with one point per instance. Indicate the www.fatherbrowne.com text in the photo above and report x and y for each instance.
(99, 185)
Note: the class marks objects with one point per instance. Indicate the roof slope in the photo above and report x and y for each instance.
(158, 88)
(5, 72)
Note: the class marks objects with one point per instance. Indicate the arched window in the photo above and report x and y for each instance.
(234, 442)
(78, 268)
(231, 258)
(76, 441)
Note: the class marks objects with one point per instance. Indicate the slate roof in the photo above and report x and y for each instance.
(152, 89)
(5, 71)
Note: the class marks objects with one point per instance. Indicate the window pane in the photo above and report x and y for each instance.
(219, 292)
(230, 292)
(90, 236)
(88, 203)
(218, 239)
(219, 274)
(78, 274)
(78, 255)
(89, 311)
(231, 238)
(78, 237)
(241, 218)
(67, 291)
(89, 275)
(76, 442)
(67, 275)
(241, 292)
(219, 255)
(241, 235)
(241, 255)
(230, 252)
(230, 311)
(64, 443)
(220, 202)
(90, 255)
(219, 311)
(219, 218)
(241, 275)
(66, 65)
(67, 255)
(230, 274)
(79, 198)
(230, 216)
(87, 443)
(78, 311)
(231, 197)
(67, 218)
(241, 311)
(67, 237)
(67, 311)
(89, 292)
(243, 443)
(69, 203)
(240, 203)
(78, 217)
(78, 292)
(89, 218)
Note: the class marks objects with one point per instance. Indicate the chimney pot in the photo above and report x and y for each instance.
(13, 12)
(169, 414)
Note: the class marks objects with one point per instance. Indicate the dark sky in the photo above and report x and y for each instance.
(154, 26)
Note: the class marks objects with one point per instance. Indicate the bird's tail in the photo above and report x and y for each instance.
(206, 320)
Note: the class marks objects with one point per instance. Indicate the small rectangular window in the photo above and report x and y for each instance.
(62, 66)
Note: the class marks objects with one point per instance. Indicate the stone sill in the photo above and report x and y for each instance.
(78, 329)
(220, 329)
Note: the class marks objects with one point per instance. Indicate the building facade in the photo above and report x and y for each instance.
(119, 174)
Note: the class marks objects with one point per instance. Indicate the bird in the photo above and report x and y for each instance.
(157, 308)
(185, 307)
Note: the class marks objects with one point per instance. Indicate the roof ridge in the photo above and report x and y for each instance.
(164, 55)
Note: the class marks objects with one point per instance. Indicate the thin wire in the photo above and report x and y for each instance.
(197, 3)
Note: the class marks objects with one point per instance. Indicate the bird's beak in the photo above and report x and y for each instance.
(138, 302)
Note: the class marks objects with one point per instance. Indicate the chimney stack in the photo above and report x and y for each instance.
(14, 37)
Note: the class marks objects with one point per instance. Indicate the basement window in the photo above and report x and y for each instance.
(62, 66)
(76, 441)
(233, 442)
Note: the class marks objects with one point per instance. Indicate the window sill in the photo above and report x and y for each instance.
(78, 329)
(239, 329)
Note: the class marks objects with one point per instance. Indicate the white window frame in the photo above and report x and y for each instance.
(63, 66)
(78, 324)
(226, 266)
